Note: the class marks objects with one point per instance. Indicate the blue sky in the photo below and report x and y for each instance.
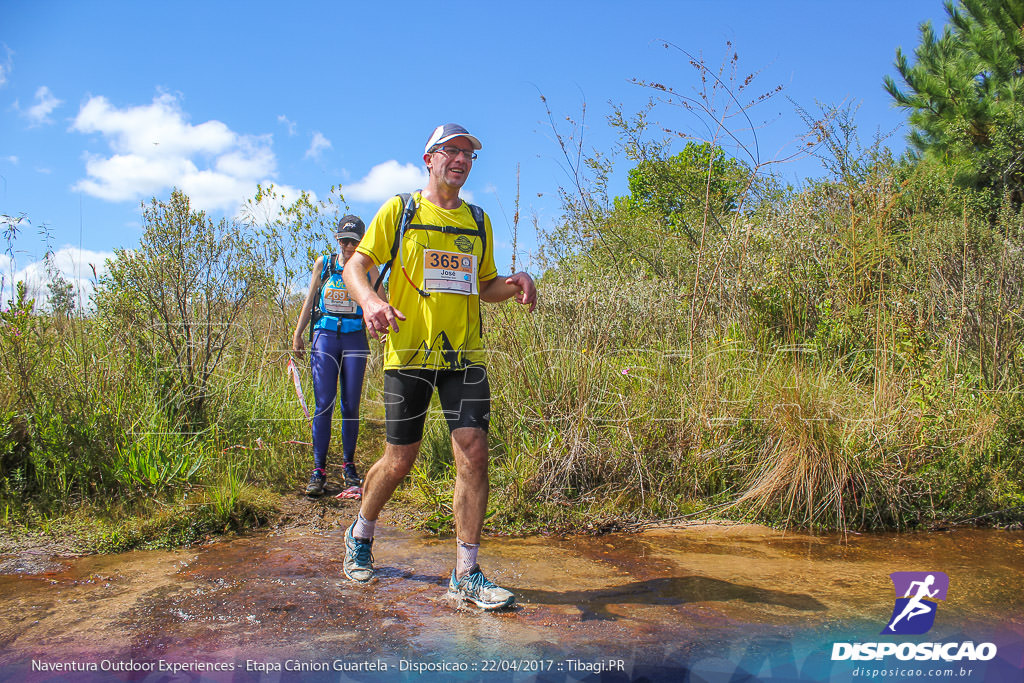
(106, 104)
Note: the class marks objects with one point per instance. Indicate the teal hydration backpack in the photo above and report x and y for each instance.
(333, 305)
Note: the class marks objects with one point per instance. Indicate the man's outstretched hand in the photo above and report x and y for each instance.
(528, 290)
(380, 316)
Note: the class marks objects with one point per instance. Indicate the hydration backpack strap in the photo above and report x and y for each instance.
(408, 211)
(478, 217)
(330, 264)
(317, 313)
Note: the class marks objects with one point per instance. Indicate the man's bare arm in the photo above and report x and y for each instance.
(519, 285)
(378, 314)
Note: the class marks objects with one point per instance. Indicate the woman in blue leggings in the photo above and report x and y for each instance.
(339, 350)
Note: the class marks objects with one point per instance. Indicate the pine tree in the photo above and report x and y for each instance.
(965, 94)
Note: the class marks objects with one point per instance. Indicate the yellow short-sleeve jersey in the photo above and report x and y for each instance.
(442, 330)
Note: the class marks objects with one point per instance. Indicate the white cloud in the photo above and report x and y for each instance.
(288, 124)
(124, 177)
(154, 148)
(386, 180)
(253, 158)
(13, 159)
(210, 189)
(72, 263)
(5, 65)
(317, 146)
(156, 130)
(46, 102)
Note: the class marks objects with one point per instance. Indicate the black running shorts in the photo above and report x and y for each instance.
(465, 400)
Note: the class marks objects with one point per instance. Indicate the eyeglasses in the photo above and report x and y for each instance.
(453, 152)
(349, 242)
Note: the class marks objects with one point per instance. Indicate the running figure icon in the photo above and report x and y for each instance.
(916, 606)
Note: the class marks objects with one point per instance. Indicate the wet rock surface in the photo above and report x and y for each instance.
(707, 598)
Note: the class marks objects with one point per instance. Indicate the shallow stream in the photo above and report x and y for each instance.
(714, 603)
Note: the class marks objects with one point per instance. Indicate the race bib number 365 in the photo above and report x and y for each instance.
(446, 271)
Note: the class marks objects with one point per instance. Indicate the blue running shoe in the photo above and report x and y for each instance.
(477, 589)
(358, 557)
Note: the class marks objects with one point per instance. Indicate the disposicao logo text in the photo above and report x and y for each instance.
(917, 599)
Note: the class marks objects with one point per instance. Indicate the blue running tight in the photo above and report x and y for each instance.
(333, 354)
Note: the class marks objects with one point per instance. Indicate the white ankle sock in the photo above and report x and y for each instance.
(465, 557)
(363, 527)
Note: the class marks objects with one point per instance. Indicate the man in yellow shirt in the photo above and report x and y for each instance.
(443, 267)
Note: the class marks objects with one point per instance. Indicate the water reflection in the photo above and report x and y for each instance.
(674, 591)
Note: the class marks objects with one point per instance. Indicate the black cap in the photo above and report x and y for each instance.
(350, 227)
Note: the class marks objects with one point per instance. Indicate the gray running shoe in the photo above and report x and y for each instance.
(315, 487)
(477, 589)
(352, 477)
(358, 557)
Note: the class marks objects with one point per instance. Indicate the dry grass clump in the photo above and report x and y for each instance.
(819, 456)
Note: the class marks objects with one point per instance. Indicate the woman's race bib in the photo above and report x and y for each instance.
(336, 298)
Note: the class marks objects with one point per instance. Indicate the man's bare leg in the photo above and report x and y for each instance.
(471, 482)
(385, 476)
(380, 483)
(472, 485)
(470, 505)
